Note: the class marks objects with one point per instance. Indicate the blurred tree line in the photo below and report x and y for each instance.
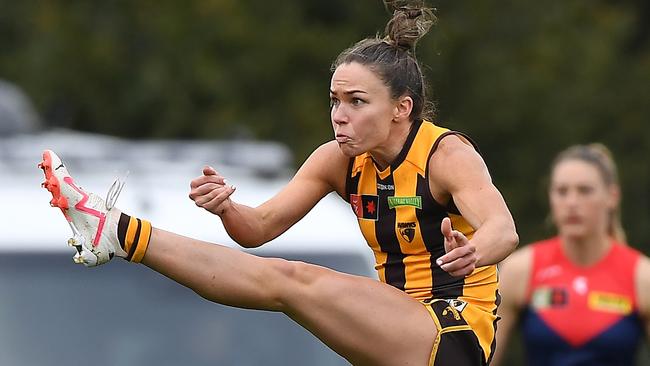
(525, 79)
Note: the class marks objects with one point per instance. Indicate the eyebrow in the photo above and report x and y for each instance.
(350, 92)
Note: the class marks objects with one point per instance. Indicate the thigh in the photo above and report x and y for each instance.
(364, 320)
(456, 343)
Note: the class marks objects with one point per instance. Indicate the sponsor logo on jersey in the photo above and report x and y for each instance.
(385, 187)
(415, 201)
(580, 285)
(407, 230)
(549, 297)
(608, 302)
(365, 206)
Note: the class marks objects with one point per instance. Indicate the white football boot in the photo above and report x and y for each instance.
(92, 219)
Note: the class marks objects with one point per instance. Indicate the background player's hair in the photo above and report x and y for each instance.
(600, 157)
(392, 57)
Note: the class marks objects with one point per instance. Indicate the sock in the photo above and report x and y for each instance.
(134, 235)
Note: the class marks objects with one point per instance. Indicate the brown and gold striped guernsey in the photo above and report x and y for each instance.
(400, 220)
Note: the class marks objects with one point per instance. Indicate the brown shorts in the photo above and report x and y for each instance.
(458, 340)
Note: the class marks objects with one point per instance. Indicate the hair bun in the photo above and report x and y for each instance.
(412, 13)
(411, 20)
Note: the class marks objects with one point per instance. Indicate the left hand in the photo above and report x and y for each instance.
(461, 258)
(211, 191)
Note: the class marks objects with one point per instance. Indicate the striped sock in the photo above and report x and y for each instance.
(134, 235)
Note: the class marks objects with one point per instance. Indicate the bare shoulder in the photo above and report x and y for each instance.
(519, 261)
(456, 163)
(328, 157)
(643, 285)
(328, 164)
(454, 147)
(330, 150)
(644, 267)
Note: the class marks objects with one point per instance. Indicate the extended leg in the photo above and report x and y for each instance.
(365, 321)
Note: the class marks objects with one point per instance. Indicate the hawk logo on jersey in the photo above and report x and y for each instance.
(407, 230)
(365, 206)
(451, 310)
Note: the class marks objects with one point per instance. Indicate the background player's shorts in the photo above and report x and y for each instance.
(457, 342)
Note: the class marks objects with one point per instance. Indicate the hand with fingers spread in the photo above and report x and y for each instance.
(460, 258)
(211, 191)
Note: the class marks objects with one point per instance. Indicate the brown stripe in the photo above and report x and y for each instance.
(493, 345)
(394, 267)
(121, 229)
(350, 182)
(133, 243)
(430, 216)
(415, 127)
(442, 136)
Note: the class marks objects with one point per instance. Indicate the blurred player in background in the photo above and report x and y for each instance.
(581, 297)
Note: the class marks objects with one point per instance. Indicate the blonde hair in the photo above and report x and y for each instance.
(600, 157)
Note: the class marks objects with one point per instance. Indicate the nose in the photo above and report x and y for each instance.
(572, 198)
(339, 115)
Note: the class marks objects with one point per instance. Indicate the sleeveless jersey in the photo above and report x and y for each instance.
(581, 315)
(400, 220)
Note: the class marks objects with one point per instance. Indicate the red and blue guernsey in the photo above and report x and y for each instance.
(582, 315)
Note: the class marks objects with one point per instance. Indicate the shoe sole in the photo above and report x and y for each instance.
(51, 182)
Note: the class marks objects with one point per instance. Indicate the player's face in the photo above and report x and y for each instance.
(581, 202)
(361, 109)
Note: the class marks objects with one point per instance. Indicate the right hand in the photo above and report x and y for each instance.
(460, 258)
(211, 191)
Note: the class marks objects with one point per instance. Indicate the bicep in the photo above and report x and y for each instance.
(460, 172)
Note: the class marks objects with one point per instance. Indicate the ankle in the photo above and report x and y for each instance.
(133, 235)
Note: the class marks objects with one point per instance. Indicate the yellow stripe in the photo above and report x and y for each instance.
(456, 328)
(460, 224)
(436, 342)
(130, 234)
(418, 154)
(479, 312)
(417, 264)
(143, 242)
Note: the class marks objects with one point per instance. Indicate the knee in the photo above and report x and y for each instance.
(290, 280)
(293, 273)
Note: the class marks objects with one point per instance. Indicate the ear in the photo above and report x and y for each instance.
(403, 108)
(614, 196)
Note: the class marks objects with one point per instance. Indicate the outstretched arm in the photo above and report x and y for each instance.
(459, 173)
(322, 173)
